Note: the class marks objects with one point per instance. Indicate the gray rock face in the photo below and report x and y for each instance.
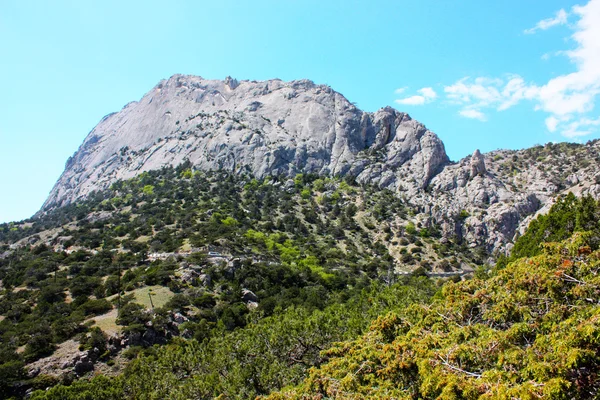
(265, 128)
(477, 164)
(275, 127)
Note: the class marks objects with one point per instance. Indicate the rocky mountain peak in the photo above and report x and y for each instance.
(231, 83)
(284, 128)
(259, 127)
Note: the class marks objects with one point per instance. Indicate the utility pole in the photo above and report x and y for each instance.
(150, 297)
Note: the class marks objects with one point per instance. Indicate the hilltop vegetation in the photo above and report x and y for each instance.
(567, 215)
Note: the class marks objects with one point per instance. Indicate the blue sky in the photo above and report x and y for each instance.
(480, 74)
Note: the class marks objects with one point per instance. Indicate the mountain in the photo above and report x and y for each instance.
(274, 128)
(264, 128)
(184, 260)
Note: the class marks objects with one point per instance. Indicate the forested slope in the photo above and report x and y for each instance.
(180, 285)
(176, 253)
(532, 330)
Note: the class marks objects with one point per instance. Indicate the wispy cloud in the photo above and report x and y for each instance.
(568, 99)
(582, 127)
(426, 95)
(478, 92)
(473, 95)
(473, 114)
(552, 123)
(560, 18)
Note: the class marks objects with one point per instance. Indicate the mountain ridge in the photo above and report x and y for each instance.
(297, 127)
(285, 128)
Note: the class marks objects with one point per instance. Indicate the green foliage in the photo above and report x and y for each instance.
(132, 315)
(187, 173)
(531, 331)
(299, 180)
(321, 271)
(96, 307)
(148, 190)
(567, 215)
(229, 221)
(39, 345)
(99, 388)
(318, 185)
(266, 355)
(11, 373)
(96, 340)
(305, 194)
(295, 253)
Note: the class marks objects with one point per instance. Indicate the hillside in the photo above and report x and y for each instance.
(524, 329)
(176, 253)
(531, 331)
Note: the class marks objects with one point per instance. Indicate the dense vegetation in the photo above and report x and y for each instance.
(262, 357)
(567, 215)
(234, 287)
(227, 251)
(531, 331)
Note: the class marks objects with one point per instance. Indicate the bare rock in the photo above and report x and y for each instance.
(231, 83)
(477, 164)
(248, 296)
(267, 128)
(179, 318)
(188, 275)
(83, 366)
(205, 279)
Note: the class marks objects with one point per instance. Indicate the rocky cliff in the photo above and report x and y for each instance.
(264, 128)
(275, 127)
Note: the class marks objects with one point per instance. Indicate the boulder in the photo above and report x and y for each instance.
(248, 296)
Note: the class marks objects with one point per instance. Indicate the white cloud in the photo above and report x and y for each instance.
(478, 93)
(573, 95)
(582, 127)
(481, 91)
(427, 95)
(400, 90)
(568, 99)
(559, 19)
(552, 123)
(412, 101)
(473, 114)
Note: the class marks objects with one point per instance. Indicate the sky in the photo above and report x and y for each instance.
(480, 74)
